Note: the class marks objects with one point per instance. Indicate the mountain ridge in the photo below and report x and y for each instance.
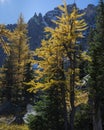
(37, 23)
(46, 20)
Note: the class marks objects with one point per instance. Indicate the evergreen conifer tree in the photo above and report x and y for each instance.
(97, 67)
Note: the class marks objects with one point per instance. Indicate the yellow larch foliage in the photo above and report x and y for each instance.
(60, 46)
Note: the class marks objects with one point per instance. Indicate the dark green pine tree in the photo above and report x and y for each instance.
(28, 75)
(56, 108)
(7, 80)
(97, 68)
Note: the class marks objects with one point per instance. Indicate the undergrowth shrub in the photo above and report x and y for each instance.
(13, 127)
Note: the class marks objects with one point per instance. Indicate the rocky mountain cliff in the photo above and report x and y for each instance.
(37, 23)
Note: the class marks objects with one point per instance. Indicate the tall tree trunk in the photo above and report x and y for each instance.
(72, 115)
(97, 120)
(72, 99)
(65, 108)
(72, 91)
